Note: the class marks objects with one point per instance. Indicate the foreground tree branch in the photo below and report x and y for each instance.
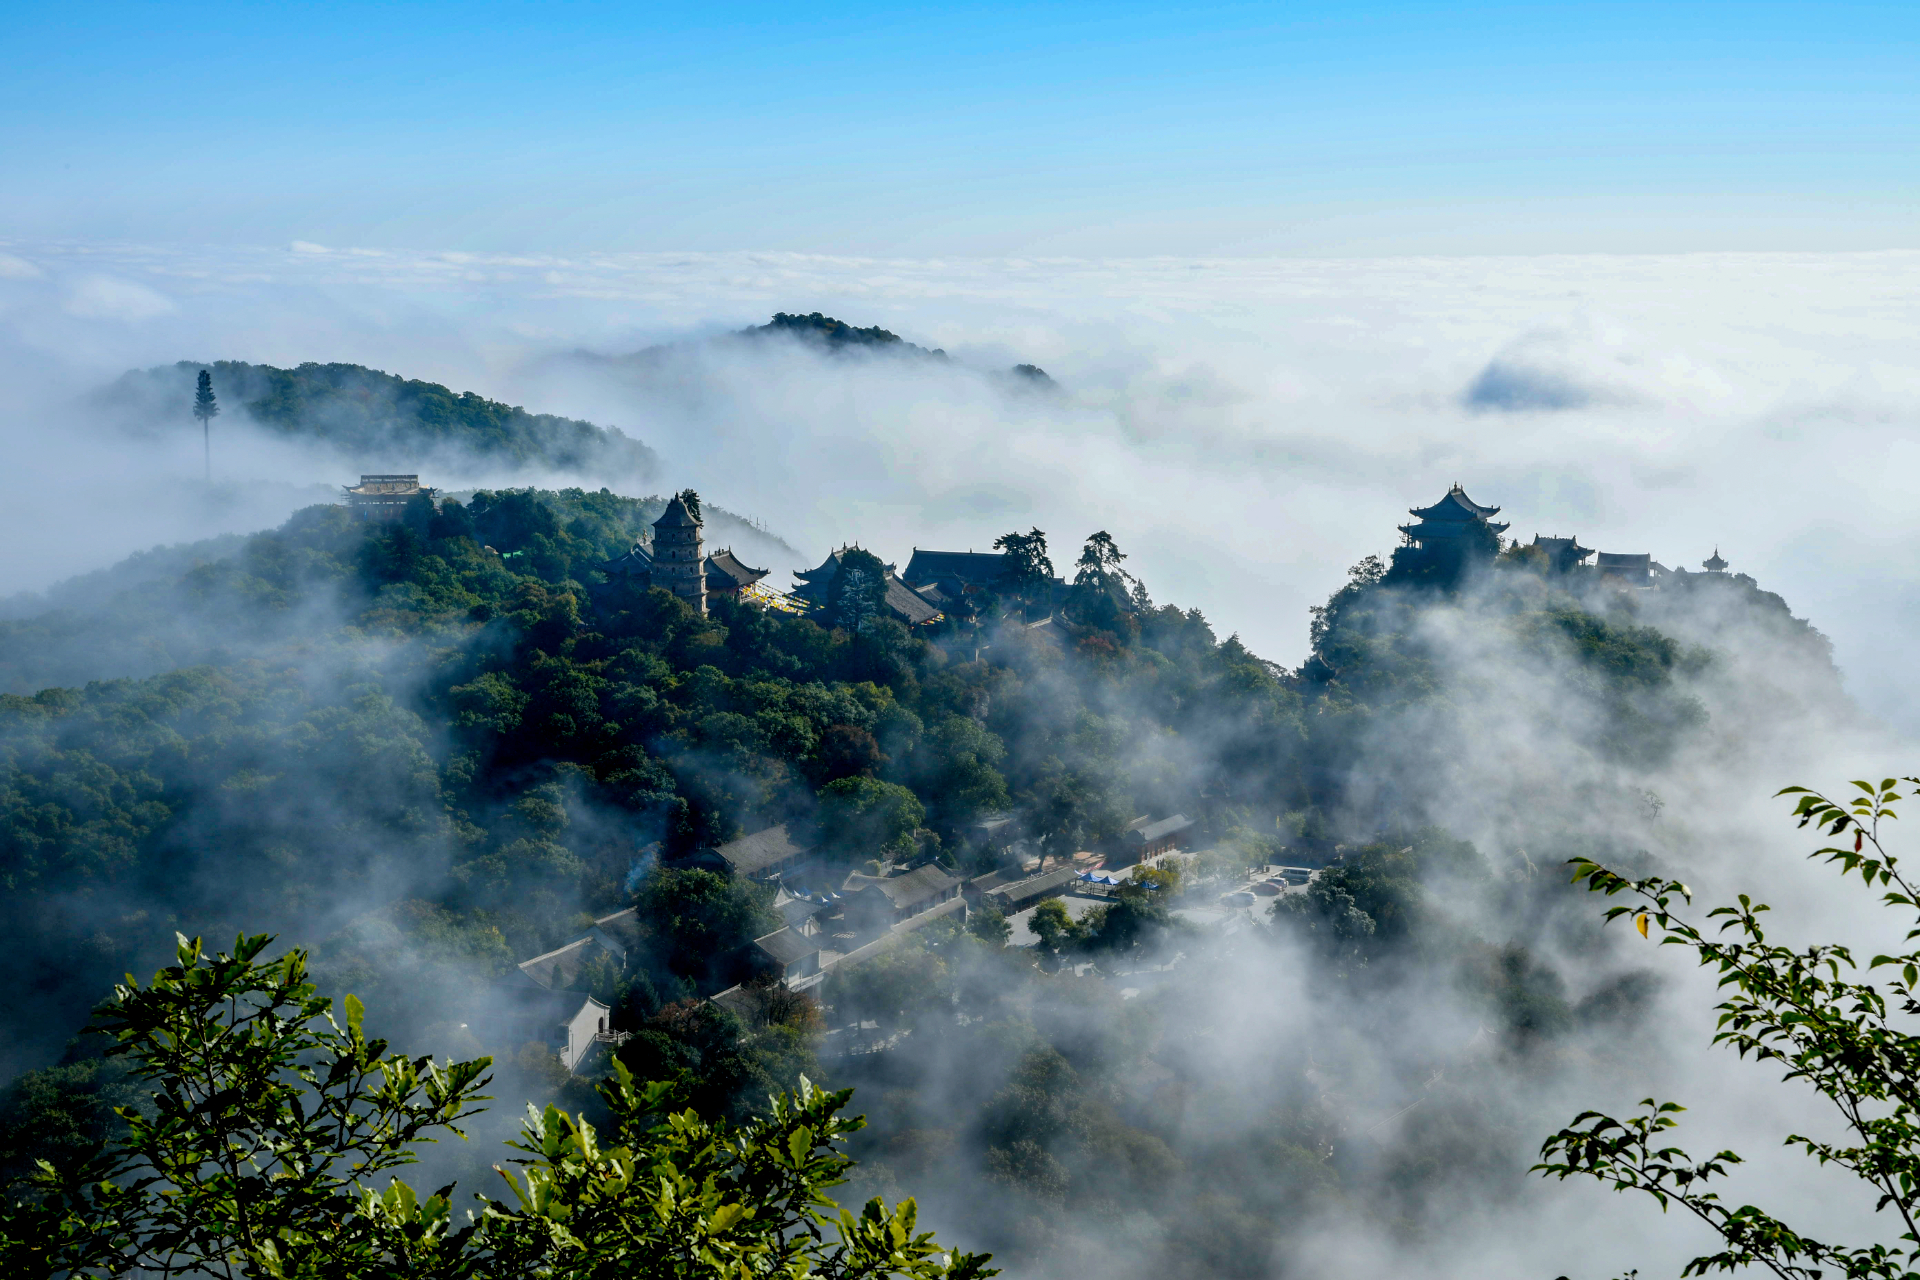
(275, 1131)
(1811, 1011)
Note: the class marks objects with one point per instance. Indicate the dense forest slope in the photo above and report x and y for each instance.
(383, 421)
(183, 605)
(433, 748)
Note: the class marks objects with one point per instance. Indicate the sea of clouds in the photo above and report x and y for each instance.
(1245, 428)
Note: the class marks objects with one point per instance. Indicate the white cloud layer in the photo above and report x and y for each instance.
(1245, 428)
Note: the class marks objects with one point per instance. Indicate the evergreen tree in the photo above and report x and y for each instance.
(206, 408)
(857, 597)
(1029, 569)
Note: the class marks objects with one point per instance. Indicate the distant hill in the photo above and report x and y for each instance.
(823, 332)
(837, 333)
(383, 421)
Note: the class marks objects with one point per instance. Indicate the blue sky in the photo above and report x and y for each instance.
(966, 129)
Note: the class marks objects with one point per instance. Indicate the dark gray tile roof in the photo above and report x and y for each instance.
(786, 946)
(1455, 506)
(975, 567)
(750, 855)
(622, 926)
(635, 561)
(1024, 891)
(909, 605)
(915, 886)
(559, 968)
(726, 572)
(676, 516)
(1165, 827)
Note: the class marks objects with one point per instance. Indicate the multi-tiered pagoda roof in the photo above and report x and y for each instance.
(1450, 517)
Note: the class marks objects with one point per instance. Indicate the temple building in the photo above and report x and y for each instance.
(1635, 570)
(1446, 536)
(675, 563)
(956, 573)
(636, 566)
(384, 497)
(911, 607)
(678, 565)
(1563, 554)
(727, 576)
(1716, 564)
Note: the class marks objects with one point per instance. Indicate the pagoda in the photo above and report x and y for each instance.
(1445, 537)
(677, 562)
(1715, 565)
(1452, 517)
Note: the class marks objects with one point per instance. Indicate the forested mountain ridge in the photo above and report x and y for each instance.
(384, 421)
(182, 605)
(453, 756)
(816, 332)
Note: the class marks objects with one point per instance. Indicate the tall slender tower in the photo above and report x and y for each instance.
(678, 564)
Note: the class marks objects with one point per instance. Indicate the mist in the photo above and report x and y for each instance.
(1247, 431)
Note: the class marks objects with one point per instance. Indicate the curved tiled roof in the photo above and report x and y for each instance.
(726, 572)
(1456, 506)
(635, 561)
(676, 516)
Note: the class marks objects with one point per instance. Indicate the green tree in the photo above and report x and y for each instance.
(1099, 583)
(1812, 1011)
(864, 817)
(692, 502)
(1029, 571)
(857, 597)
(989, 924)
(271, 1124)
(1053, 926)
(697, 921)
(275, 1131)
(206, 408)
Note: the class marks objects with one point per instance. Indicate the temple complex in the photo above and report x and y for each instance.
(906, 604)
(675, 563)
(1455, 529)
(384, 497)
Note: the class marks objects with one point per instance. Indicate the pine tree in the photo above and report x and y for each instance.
(206, 408)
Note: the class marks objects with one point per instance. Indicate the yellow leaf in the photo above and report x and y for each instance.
(1642, 922)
